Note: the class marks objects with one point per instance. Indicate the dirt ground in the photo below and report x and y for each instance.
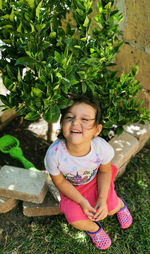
(32, 137)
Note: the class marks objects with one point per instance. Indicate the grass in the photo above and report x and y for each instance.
(52, 235)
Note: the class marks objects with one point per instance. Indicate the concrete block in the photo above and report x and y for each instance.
(7, 204)
(125, 147)
(7, 115)
(121, 170)
(23, 184)
(53, 190)
(47, 208)
(140, 131)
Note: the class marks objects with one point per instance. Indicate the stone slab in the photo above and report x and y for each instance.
(53, 190)
(7, 204)
(140, 131)
(7, 115)
(122, 169)
(47, 208)
(19, 183)
(125, 146)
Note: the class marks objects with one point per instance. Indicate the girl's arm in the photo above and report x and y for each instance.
(72, 193)
(104, 180)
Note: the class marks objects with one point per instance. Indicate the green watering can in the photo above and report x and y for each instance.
(10, 144)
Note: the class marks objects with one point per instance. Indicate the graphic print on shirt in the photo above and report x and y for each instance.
(78, 179)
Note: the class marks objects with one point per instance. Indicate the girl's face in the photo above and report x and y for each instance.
(79, 126)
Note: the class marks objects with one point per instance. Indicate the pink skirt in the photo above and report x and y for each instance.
(73, 212)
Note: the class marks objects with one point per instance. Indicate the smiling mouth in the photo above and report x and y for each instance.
(76, 132)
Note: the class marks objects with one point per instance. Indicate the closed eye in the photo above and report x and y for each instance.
(69, 118)
(85, 120)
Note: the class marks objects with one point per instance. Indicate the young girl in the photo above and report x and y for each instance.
(79, 163)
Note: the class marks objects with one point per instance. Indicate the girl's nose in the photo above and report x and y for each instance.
(75, 121)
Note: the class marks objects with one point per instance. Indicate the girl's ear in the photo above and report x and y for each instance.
(98, 130)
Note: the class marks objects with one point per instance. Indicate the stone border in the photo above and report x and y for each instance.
(6, 117)
(129, 143)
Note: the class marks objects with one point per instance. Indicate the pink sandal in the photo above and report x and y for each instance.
(100, 239)
(124, 216)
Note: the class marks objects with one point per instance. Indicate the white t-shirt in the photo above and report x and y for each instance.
(77, 170)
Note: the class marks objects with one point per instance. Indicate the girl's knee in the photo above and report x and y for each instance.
(120, 205)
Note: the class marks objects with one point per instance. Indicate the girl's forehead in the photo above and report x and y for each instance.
(82, 108)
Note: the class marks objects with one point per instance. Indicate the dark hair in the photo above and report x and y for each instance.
(80, 99)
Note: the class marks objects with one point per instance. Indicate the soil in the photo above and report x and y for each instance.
(32, 137)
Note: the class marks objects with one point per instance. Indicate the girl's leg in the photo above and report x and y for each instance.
(123, 214)
(86, 225)
(94, 229)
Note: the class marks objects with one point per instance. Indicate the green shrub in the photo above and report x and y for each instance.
(43, 60)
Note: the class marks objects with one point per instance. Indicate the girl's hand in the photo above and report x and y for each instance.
(101, 210)
(87, 209)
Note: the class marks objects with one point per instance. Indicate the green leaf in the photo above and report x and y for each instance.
(9, 27)
(100, 7)
(91, 85)
(84, 87)
(65, 81)
(86, 22)
(19, 76)
(32, 28)
(12, 15)
(30, 3)
(58, 57)
(7, 16)
(1, 4)
(74, 82)
(52, 114)
(26, 61)
(39, 27)
(108, 6)
(21, 111)
(38, 9)
(7, 82)
(79, 5)
(121, 117)
(32, 116)
(63, 102)
(52, 35)
(37, 92)
(10, 74)
(19, 27)
(4, 100)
